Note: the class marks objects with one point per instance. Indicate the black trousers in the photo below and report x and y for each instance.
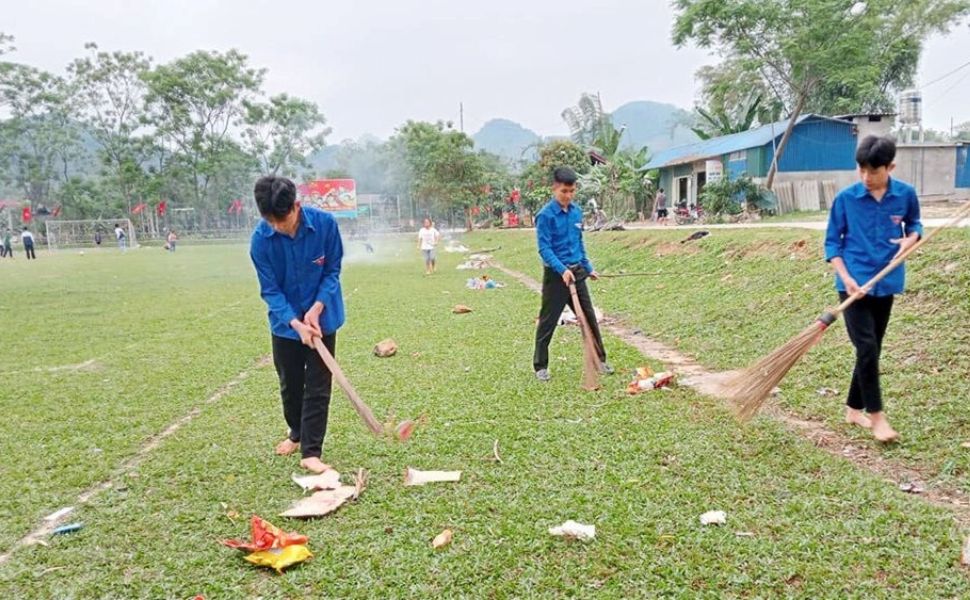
(30, 251)
(555, 297)
(305, 384)
(866, 321)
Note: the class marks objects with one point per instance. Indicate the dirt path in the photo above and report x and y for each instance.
(691, 373)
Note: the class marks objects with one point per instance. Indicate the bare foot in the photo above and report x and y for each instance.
(857, 417)
(314, 465)
(287, 447)
(881, 430)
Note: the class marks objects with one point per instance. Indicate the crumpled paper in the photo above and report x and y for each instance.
(574, 530)
(714, 517)
(328, 480)
(325, 502)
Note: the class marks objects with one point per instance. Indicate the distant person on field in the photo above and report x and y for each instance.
(297, 252)
(171, 239)
(5, 248)
(428, 238)
(870, 223)
(28, 239)
(660, 203)
(122, 238)
(97, 238)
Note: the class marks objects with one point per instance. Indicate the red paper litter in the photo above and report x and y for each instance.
(266, 536)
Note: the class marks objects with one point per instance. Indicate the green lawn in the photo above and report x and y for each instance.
(166, 331)
(729, 298)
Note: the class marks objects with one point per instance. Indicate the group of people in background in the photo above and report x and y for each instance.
(26, 238)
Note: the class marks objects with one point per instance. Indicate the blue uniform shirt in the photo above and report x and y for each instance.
(560, 236)
(861, 228)
(295, 272)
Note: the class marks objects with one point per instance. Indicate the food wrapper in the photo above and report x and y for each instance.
(280, 558)
(266, 536)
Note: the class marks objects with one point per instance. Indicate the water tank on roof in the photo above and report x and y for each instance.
(910, 107)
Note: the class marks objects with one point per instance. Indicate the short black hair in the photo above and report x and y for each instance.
(661, 189)
(564, 175)
(875, 151)
(274, 196)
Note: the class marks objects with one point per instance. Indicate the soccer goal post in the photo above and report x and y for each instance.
(87, 233)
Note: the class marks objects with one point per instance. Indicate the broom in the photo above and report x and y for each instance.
(591, 378)
(404, 429)
(750, 388)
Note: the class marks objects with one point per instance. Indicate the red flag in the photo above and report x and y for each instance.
(161, 208)
(25, 216)
(139, 208)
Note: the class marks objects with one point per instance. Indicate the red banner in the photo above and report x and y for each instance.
(161, 208)
(139, 208)
(26, 216)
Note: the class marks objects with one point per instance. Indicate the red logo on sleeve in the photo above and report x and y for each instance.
(319, 261)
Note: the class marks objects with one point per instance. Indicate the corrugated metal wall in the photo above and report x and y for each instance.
(818, 145)
(962, 179)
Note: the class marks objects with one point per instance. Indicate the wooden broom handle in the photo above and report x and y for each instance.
(362, 409)
(961, 214)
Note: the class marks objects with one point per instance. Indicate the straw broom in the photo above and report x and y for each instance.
(591, 362)
(750, 388)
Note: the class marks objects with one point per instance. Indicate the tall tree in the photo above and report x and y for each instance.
(587, 120)
(111, 98)
(816, 54)
(283, 132)
(40, 141)
(437, 166)
(195, 102)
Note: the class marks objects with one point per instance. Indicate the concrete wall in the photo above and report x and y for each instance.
(931, 169)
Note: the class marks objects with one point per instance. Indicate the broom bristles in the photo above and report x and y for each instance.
(749, 388)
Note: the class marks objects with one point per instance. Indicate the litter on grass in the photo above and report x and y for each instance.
(385, 348)
(476, 261)
(280, 558)
(646, 379)
(454, 246)
(70, 528)
(714, 517)
(912, 487)
(568, 317)
(827, 391)
(461, 309)
(414, 477)
(328, 480)
(324, 502)
(483, 283)
(264, 536)
(442, 539)
(965, 554)
(574, 531)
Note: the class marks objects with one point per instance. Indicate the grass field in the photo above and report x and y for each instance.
(165, 332)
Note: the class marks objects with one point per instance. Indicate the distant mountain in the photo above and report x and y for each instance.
(652, 124)
(507, 139)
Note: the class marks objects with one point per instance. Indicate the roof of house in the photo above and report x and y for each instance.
(725, 144)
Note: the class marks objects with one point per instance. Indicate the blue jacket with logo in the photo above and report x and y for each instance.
(295, 272)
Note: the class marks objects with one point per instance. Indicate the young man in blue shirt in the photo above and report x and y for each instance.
(870, 223)
(297, 253)
(559, 232)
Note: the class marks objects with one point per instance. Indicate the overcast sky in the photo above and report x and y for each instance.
(372, 64)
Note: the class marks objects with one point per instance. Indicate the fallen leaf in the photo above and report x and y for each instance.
(442, 539)
(461, 309)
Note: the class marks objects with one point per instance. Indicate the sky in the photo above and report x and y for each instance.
(372, 64)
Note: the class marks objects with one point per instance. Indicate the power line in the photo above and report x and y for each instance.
(942, 77)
